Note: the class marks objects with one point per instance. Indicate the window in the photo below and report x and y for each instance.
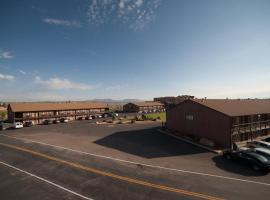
(189, 117)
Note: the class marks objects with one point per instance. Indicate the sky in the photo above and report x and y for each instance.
(98, 49)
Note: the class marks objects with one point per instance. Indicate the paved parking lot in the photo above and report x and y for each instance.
(83, 160)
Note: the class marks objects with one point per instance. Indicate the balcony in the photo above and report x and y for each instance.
(249, 131)
(59, 115)
(251, 127)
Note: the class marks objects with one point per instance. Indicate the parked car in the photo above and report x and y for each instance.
(63, 120)
(262, 151)
(17, 125)
(28, 124)
(80, 118)
(267, 139)
(56, 121)
(99, 116)
(109, 114)
(47, 122)
(1, 125)
(258, 144)
(88, 117)
(255, 160)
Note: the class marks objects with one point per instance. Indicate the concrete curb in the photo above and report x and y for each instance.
(190, 142)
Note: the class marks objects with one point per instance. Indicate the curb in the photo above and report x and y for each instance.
(190, 142)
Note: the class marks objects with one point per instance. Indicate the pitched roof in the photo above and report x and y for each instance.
(236, 107)
(148, 103)
(32, 107)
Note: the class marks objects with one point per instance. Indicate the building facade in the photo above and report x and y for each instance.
(143, 106)
(38, 112)
(169, 101)
(222, 121)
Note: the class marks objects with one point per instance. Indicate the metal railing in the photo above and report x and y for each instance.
(250, 131)
(25, 118)
(251, 127)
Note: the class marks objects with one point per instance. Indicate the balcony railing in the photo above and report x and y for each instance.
(251, 127)
(250, 131)
(25, 118)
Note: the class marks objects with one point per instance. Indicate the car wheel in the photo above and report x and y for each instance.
(256, 168)
(228, 157)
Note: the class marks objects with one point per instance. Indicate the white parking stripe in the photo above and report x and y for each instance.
(46, 181)
(142, 164)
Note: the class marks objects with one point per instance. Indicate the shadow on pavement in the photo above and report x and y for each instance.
(148, 143)
(236, 167)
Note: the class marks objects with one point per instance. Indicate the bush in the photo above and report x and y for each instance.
(3, 114)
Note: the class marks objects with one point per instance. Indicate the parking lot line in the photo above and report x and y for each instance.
(46, 181)
(142, 164)
(111, 175)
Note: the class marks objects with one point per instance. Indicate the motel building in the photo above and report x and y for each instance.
(143, 106)
(222, 121)
(38, 112)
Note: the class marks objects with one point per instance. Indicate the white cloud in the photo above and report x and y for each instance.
(6, 77)
(60, 22)
(136, 14)
(31, 96)
(139, 3)
(121, 4)
(57, 83)
(5, 55)
(22, 72)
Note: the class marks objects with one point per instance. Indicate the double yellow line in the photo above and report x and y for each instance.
(115, 176)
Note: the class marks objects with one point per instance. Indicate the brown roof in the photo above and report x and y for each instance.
(148, 103)
(236, 107)
(32, 107)
(2, 108)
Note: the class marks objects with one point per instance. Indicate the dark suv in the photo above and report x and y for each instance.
(47, 122)
(28, 124)
(255, 160)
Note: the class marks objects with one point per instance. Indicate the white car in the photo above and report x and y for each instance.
(262, 151)
(17, 125)
(259, 144)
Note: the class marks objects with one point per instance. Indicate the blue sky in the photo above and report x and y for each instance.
(83, 49)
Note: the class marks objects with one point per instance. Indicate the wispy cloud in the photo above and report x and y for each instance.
(6, 77)
(136, 14)
(5, 55)
(22, 72)
(116, 87)
(58, 83)
(60, 22)
(31, 96)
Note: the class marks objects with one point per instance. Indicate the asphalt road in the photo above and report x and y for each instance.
(110, 169)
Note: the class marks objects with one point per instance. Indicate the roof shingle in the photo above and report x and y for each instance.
(236, 107)
(32, 107)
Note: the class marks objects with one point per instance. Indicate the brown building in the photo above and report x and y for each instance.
(168, 101)
(37, 112)
(221, 121)
(143, 106)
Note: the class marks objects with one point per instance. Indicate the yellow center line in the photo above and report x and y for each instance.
(115, 176)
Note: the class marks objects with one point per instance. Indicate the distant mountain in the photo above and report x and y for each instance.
(117, 101)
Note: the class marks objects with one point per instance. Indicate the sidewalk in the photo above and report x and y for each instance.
(191, 142)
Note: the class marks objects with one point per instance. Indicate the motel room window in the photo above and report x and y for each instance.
(189, 117)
